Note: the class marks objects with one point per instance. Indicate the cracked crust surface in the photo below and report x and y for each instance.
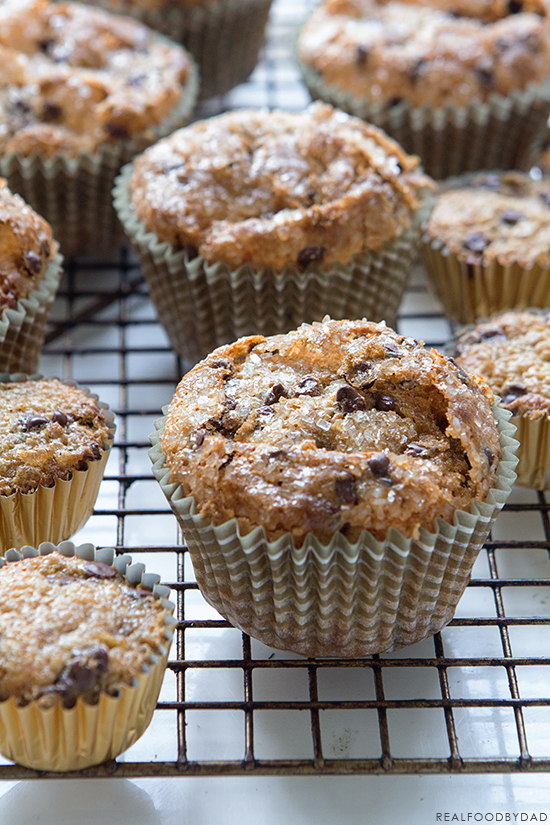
(48, 430)
(512, 353)
(74, 77)
(430, 53)
(495, 216)
(339, 425)
(70, 627)
(277, 188)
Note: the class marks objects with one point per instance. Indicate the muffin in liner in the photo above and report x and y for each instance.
(472, 286)
(338, 599)
(60, 738)
(54, 513)
(224, 36)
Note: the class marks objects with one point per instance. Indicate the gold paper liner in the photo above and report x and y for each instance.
(224, 36)
(69, 739)
(22, 330)
(340, 599)
(202, 306)
(74, 193)
(53, 513)
(501, 133)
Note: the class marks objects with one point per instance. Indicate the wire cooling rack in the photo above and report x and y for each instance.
(474, 698)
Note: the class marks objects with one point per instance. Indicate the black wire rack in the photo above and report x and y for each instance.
(475, 698)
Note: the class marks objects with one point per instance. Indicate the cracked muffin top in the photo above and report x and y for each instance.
(512, 353)
(26, 248)
(74, 77)
(430, 53)
(495, 216)
(71, 627)
(277, 188)
(48, 430)
(338, 425)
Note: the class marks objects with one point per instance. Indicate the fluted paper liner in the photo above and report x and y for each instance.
(202, 306)
(340, 599)
(53, 513)
(68, 739)
(22, 329)
(74, 193)
(224, 36)
(503, 132)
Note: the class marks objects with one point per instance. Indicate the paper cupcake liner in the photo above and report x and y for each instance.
(340, 599)
(74, 193)
(501, 133)
(53, 513)
(203, 306)
(224, 36)
(22, 329)
(68, 739)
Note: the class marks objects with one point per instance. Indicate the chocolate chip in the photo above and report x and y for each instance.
(476, 242)
(266, 411)
(45, 249)
(51, 112)
(414, 449)
(514, 6)
(516, 389)
(117, 130)
(391, 349)
(60, 418)
(34, 421)
(511, 216)
(490, 456)
(45, 45)
(199, 437)
(379, 464)
(394, 101)
(349, 399)
(384, 403)
(361, 55)
(99, 569)
(485, 77)
(33, 261)
(276, 392)
(308, 386)
(21, 106)
(345, 488)
(88, 667)
(310, 254)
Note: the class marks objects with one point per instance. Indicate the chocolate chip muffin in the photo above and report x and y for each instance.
(399, 63)
(81, 92)
(55, 440)
(254, 221)
(511, 351)
(78, 630)
(333, 441)
(487, 244)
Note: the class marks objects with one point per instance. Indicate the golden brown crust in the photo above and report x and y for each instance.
(48, 430)
(70, 627)
(277, 188)
(26, 248)
(76, 77)
(336, 426)
(427, 53)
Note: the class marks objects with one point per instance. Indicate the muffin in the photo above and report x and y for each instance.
(224, 36)
(83, 649)
(511, 351)
(81, 92)
(464, 86)
(334, 484)
(30, 269)
(55, 440)
(487, 244)
(254, 221)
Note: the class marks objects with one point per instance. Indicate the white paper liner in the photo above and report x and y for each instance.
(203, 306)
(67, 739)
(53, 513)
(22, 329)
(74, 193)
(342, 599)
(501, 133)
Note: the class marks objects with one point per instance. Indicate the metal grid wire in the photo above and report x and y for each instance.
(474, 698)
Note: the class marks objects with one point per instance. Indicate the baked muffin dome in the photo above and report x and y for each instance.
(276, 188)
(337, 426)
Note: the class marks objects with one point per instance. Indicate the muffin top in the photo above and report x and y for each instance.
(338, 425)
(427, 53)
(75, 77)
(71, 627)
(48, 430)
(26, 248)
(512, 353)
(491, 216)
(276, 188)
